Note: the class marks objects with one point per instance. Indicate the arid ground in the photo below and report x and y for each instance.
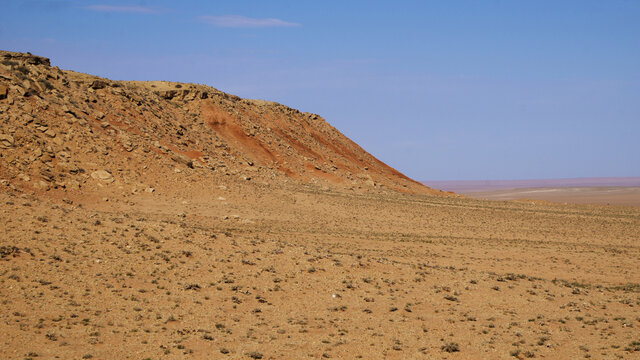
(600, 191)
(295, 272)
(128, 233)
(622, 196)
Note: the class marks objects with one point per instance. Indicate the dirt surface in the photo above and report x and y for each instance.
(295, 272)
(111, 253)
(614, 195)
(468, 186)
(619, 191)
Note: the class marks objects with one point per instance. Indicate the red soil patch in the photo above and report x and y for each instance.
(225, 126)
(323, 175)
(192, 154)
(288, 172)
(302, 149)
(340, 150)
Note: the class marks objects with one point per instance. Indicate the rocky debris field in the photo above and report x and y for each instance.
(298, 273)
(60, 129)
(168, 221)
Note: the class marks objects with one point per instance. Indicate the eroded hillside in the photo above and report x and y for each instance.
(154, 220)
(68, 131)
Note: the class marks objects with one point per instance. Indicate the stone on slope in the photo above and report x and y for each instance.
(102, 175)
(6, 141)
(4, 91)
(182, 159)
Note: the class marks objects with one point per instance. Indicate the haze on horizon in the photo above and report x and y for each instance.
(440, 91)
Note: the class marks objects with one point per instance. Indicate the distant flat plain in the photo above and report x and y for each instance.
(621, 191)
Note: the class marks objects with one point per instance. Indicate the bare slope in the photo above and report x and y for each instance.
(68, 131)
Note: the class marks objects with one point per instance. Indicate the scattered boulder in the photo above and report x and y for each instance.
(167, 94)
(182, 159)
(29, 88)
(98, 84)
(4, 91)
(41, 185)
(72, 184)
(6, 141)
(102, 175)
(126, 142)
(46, 174)
(66, 110)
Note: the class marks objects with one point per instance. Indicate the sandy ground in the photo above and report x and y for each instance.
(612, 195)
(463, 186)
(245, 271)
(156, 220)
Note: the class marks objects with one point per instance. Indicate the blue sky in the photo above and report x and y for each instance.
(440, 90)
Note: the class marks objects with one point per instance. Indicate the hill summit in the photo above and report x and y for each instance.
(67, 131)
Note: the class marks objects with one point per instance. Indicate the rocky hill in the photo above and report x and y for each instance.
(155, 220)
(64, 131)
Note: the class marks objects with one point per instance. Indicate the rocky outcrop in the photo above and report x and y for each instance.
(182, 94)
(60, 126)
(24, 58)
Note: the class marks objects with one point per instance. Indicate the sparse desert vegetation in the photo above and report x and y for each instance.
(128, 234)
(406, 278)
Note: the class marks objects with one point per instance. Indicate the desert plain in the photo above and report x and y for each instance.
(152, 221)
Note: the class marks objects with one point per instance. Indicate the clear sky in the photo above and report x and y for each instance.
(440, 90)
